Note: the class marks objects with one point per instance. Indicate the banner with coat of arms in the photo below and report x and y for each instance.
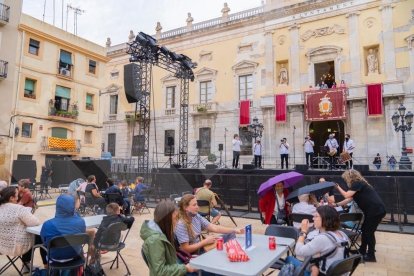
(326, 104)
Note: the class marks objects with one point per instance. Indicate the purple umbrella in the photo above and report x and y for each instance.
(289, 179)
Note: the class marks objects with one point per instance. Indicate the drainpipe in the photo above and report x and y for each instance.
(16, 102)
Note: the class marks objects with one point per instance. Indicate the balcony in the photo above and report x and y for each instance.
(4, 14)
(131, 117)
(203, 108)
(169, 111)
(55, 145)
(3, 69)
(66, 71)
(66, 115)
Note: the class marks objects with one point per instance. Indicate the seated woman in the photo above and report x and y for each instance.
(327, 247)
(191, 224)
(25, 196)
(273, 206)
(14, 218)
(303, 207)
(158, 237)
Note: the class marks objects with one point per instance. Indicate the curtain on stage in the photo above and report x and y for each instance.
(280, 108)
(374, 97)
(245, 112)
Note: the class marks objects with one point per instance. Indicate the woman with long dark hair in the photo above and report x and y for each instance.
(158, 247)
(371, 205)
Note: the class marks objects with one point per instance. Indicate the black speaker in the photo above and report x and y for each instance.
(361, 168)
(170, 141)
(220, 147)
(132, 84)
(198, 144)
(301, 167)
(175, 166)
(211, 166)
(248, 166)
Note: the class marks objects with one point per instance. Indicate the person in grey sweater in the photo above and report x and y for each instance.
(329, 243)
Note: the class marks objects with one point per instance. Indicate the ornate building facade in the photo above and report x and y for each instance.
(282, 48)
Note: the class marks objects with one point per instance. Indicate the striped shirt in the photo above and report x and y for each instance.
(198, 223)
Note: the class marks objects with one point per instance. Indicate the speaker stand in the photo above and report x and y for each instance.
(221, 165)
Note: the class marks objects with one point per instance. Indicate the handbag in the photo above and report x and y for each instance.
(281, 213)
(184, 256)
(94, 269)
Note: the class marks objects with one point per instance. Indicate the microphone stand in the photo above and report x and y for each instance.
(225, 148)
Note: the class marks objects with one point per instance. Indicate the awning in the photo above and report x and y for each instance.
(62, 92)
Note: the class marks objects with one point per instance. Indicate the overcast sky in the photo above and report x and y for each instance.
(115, 18)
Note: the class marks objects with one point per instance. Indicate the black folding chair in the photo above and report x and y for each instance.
(111, 240)
(12, 262)
(73, 241)
(351, 226)
(296, 217)
(204, 203)
(342, 267)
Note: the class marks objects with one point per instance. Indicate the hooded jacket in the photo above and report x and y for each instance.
(65, 222)
(159, 252)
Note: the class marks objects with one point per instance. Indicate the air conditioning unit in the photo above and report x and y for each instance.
(65, 72)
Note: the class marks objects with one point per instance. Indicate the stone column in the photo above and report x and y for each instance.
(354, 50)
(269, 61)
(410, 46)
(294, 72)
(388, 40)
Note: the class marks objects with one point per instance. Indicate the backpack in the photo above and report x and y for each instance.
(339, 244)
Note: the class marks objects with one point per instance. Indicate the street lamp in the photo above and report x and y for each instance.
(256, 129)
(406, 121)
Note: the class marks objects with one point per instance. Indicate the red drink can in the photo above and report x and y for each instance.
(219, 244)
(272, 243)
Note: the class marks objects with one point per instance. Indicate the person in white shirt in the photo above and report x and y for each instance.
(257, 151)
(349, 147)
(308, 146)
(333, 146)
(284, 152)
(236, 150)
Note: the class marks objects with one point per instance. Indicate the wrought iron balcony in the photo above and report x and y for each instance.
(3, 69)
(72, 113)
(60, 145)
(4, 14)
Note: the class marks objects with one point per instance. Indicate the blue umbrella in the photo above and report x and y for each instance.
(289, 179)
(321, 188)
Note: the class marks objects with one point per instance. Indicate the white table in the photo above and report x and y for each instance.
(91, 222)
(261, 258)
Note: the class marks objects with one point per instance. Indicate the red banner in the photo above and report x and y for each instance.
(374, 97)
(244, 112)
(325, 105)
(280, 108)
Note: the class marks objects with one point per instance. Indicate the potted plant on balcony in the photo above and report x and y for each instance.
(201, 108)
(89, 107)
(211, 158)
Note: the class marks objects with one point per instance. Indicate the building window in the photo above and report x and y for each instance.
(89, 102)
(246, 138)
(111, 143)
(62, 98)
(29, 88)
(138, 145)
(34, 46)
(113, 104)
(60, 132)
(245, 87)
(169, 142)
(206, 91)
(92, 66)
(65, 63)
(114, 75)
(27, 130)
(205, 140)
(88, 137)
(24, 157)
(170, 97)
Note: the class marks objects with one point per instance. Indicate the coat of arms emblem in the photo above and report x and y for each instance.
(325, 105)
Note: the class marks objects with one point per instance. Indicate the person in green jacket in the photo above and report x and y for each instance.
(158, 247)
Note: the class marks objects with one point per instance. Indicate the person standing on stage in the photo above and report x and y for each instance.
(349, 147)
(308, 146)
(333, 146)
(284, 152)
(236, 150)
(257, 151)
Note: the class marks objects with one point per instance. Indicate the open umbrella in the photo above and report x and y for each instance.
(321, 188)
(289, 179)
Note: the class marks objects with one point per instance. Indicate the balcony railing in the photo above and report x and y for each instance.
(204, 107)
(3, 69)
(71, 113)
(4, 14)
(65, 71)
(50, 144)
(170, 111)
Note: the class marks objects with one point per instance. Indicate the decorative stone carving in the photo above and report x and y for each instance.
(281, 39)
(189, 21)
(158, 28)
(370, 22)
(322, 32)
(283, 75)
(131, 36)
(372, 62)
(245, 47)
(108, 42)
(206, 55)
(245, 67)
(410, 41)
(225, 12)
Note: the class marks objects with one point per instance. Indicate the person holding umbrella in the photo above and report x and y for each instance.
(371, 205)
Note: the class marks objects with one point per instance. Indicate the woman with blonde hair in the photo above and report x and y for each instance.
(191, 224)
(371, 205)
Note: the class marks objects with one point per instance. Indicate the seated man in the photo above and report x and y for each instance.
(117, 189)
(139, 188)
(204, 193)
(97, 199)
(65, 222)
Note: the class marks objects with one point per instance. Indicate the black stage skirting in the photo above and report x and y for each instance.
(238, 187)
